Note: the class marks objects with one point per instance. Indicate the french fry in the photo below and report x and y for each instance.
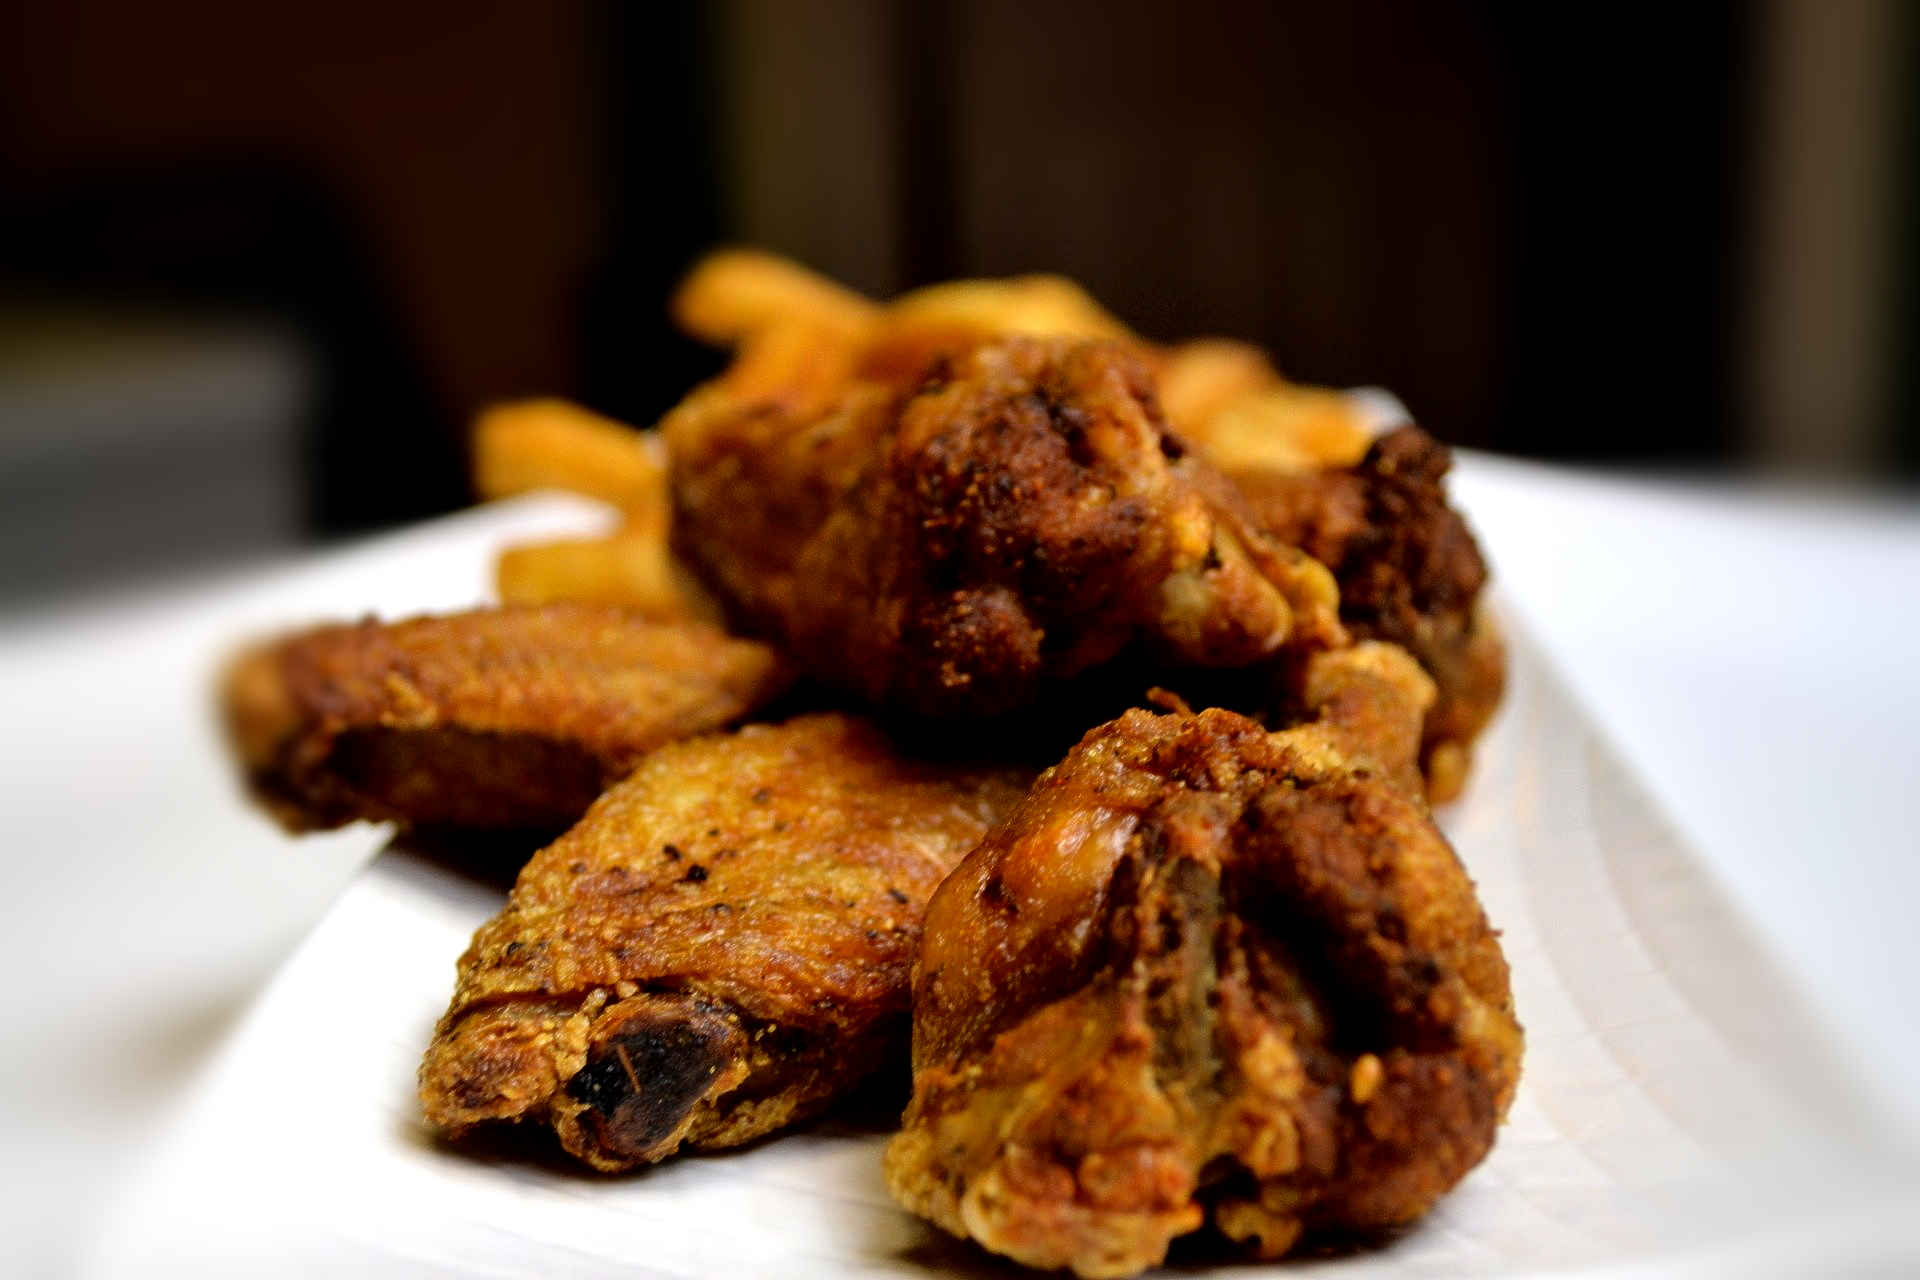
(1200, 378)
(918, 326)
(796, 366)
(633, 569)
(802, 340)
(1229, 401)
(1285, 428)
(1039, 305)
(555, 444)
(734, 293)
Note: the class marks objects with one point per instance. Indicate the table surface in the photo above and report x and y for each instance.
(1749, 653)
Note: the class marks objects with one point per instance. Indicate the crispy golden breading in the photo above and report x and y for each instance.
(1203, 972)
(721, 947)
(1409, 572)
(1021, 516)
(495, 718)
(751, 483)
(1367, 703)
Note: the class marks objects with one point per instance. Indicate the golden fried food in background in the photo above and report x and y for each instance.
(1285, 426)
(555, 444)
(633, 569)
(795, 369)
(918, 329)
(1228, 401)
(497, 718)
(720, 948)
(734, 293)
(1202, 972)
(1199, 378)
(1022, 516)
(1225, 397)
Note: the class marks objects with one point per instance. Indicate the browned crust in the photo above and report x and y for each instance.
(495, 718)
(1201, 973)
(721, 946)
(1409, 571)
(1021, 516)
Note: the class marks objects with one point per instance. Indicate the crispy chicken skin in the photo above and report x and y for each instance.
(753, 481)
(1022, 515)
(1203, 973)
(496, 718)
(1409, 572)
(721, 947)
(1367, 703)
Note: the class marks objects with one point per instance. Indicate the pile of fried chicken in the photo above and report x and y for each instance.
(979, 683)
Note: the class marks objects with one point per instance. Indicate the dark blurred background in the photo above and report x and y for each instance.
(261, 264)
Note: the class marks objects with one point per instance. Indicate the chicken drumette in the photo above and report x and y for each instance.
(1021, 515)
(720, 947)
(1202, 973)
(493, 718)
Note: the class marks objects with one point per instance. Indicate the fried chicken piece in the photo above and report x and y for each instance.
(496, 718)
(1375, 511)
(752, 483)
(754, 488)
(720, 948)
(1368, 704)
(1203, 973)
(1409, 572)
(1021, 516)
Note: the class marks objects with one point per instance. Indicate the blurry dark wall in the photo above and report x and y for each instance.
(1582, 235)
(417, 190)
(1527, 223)
(1904, 332)
(663, 158)
(1232, 168)
(1636, 234)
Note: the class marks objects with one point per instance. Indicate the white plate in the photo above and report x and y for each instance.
(1674, 1116)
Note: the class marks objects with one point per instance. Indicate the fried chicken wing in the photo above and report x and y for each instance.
(721, 947)
(1203, 973)
(1021, 516)
(496, 718)
(752, 482)
(756, 480)
(1409, 572)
